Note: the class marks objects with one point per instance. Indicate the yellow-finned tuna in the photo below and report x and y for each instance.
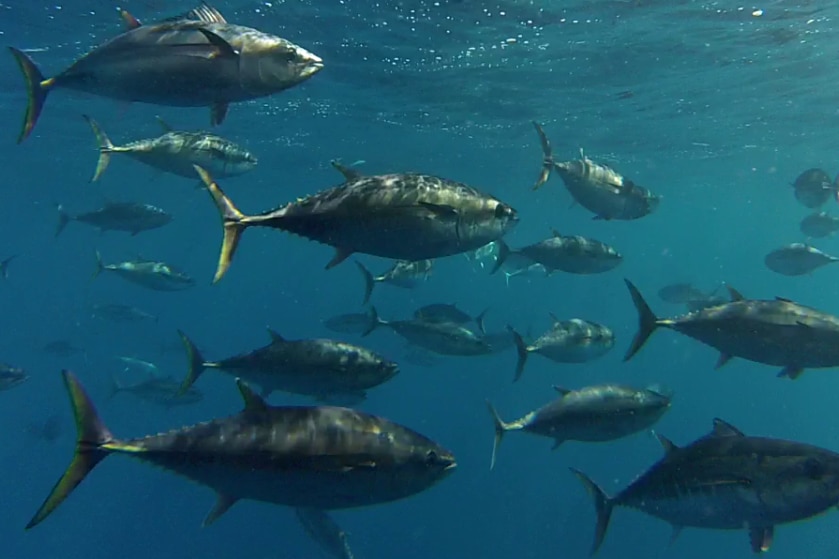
(305, 457)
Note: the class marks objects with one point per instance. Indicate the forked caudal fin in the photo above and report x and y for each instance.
(603, 506)
(521, 351)
(369, 282)
(647, 321)
(92, 443)
(105, 148)
(36, 91)
(233, 221)
(195, 364)
(500, 429)
(548, 159)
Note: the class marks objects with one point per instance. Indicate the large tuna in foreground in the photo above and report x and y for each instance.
(728, 481)
(308, 457)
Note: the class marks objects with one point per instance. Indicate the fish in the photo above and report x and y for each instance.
(568, 341)
(444, 338)
(118, 312)
(157, 389)
(62, 348)
(567, 253)
(680, 293)
(4, 266)
(404, 273)
(157, 276)
(819, 224)
(596, 187)
(727, 481)
(146, 367)
(514, 263)
(777, 332)
(398, 216)
(321, 368)
(305, 457)
(350, 323)
(797, 259)
(605, 412)
(323, 529)
(130, 217)
(11, 377)
(447, 312)
(195, 60)
(48, 430)
(813, 188)
(176, 152)
(711, 300)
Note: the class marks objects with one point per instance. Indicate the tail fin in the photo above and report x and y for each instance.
(99, 266)
(603, 506)
(4, 266)
(91, 438)
(105, 148)
(375, 322)
(36, 91)
(479, 321)
(500, 429)
(195, 364)
(521, 349)
(63, 219)
(114, 388)
(548, 162)
(232, 220)
(647, 321)
(503, 253)
(369, 282)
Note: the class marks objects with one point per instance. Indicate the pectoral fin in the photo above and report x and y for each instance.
(217, 113)
(224, 48)
(223, 504)
(761, 538)
(441, 210)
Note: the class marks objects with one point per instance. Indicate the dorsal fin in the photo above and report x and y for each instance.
(725, 429)
(205, 13)
(562, 391)
(275, 336)
(164, 125)
(784, 299)
(349, 174)
(555, 233)
(254, 404)
(130, 21)
(735, 295)
(668, 445)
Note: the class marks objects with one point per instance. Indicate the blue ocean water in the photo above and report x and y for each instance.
(717, 106)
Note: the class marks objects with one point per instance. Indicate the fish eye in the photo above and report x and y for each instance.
(431, 457)
(502, 211)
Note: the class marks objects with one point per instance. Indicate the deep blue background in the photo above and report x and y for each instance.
(726, 107)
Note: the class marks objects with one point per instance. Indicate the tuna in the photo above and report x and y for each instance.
(160, 390)
(571, 254)
(447, 312)
(11, 377)
(728, 481)
(195, 60)
(592, 414)
(774, 332)
(157, 276)
(403, 273)
(568, 341)
(445, 338)
(178, 152)
(130, 217)
(304, 457)
(118, 312)
(797, 260)
(399, 216)
(598, 188)
(321, 368)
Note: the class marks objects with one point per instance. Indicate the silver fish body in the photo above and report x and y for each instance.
(797, 259)
(157, 276)
(131, 217)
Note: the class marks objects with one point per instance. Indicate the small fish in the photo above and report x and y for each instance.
(598, 188)
(159, 390)
(727, 481)
(444, 338)
(592, 414)
(400, 216)
(819, 224)
(568, 341)
(405, 274)
(48, 430)
(813, 188)
(118, 312)
(131, 217)
(177, 152)
(571, 254)
(446, 312)
(195, 60)
(325, 531)
(350, 323)
(797, 259)
(323, 369)
(10, 377)
(62, 348)
(158, 276)
(306, 457)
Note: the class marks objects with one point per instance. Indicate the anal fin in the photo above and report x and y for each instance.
(341, 254)
(223, 504)
(218, 112)
(724, 358)
(761, 538)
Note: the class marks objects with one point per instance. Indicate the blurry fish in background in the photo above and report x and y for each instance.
(404, 273)
(157, 276)
(572, 254)
(680, 293)
(445, 338)
(819, 224)
(446, 312)
(130, 217)
(514, 264)
(350, 323)
(157, 389)
(325, 531)
(118, 312)
(11, 377)
(145, 367)
(4, 266)
(797, 259)
(177, 152)
(48, 430)
(62, 348)
(813, 188)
